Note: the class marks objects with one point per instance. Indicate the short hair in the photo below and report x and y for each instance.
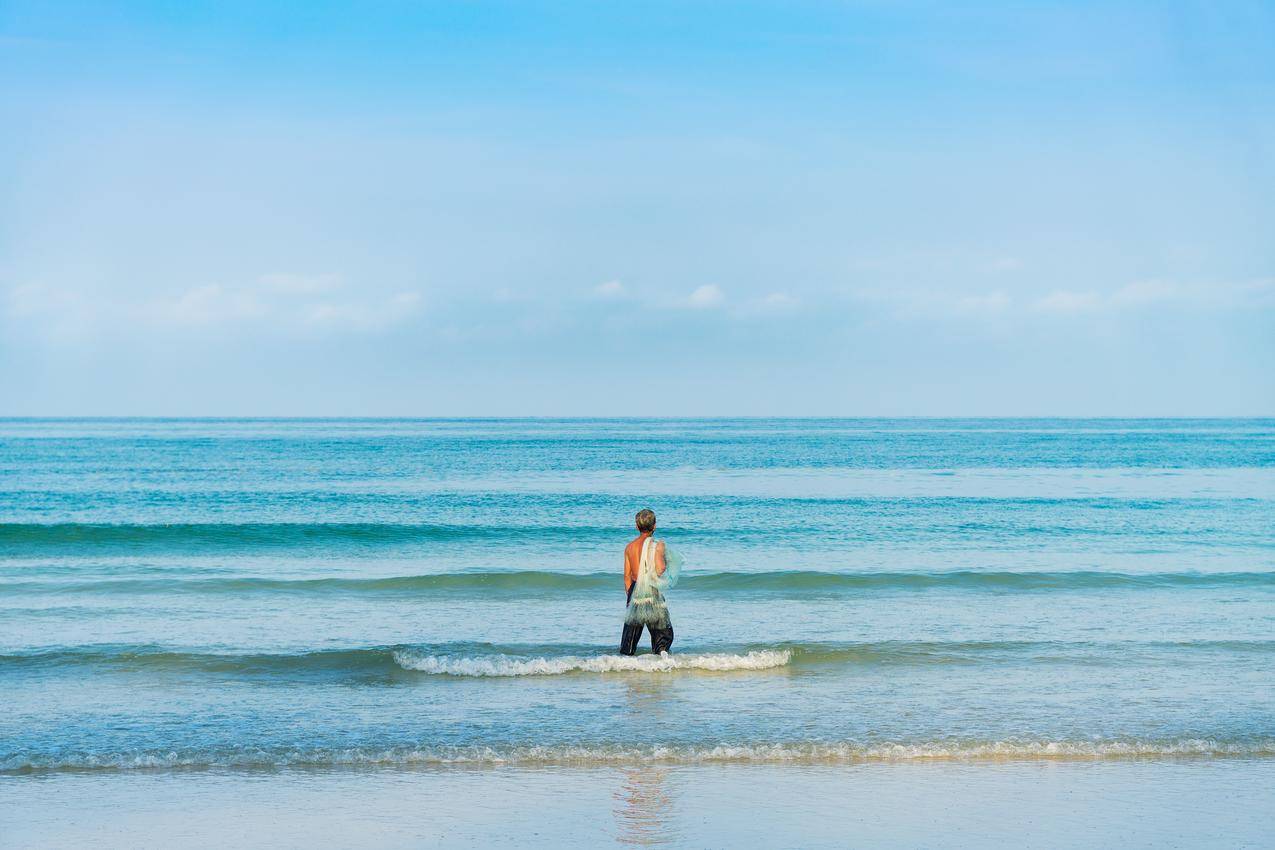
(646, 520)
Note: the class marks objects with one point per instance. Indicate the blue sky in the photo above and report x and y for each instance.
(681, 208)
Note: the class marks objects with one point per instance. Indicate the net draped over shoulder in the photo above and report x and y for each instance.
(646, 603)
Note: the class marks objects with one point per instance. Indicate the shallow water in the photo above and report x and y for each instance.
(260, 594)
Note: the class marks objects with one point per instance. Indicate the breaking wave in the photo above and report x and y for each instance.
(498, 665)
(493, 660)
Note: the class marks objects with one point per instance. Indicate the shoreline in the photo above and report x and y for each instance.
(656, 757)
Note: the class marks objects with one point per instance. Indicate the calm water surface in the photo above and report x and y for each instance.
(260, 594)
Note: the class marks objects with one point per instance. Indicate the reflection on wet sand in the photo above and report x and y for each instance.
(643, 810)
(643, 802)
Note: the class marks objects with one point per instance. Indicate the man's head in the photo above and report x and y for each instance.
(646, 521)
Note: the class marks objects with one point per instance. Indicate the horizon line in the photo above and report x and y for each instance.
(619, 417)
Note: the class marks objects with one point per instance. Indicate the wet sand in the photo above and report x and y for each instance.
(1155, 803)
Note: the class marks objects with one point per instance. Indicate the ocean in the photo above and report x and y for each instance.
(190, 603)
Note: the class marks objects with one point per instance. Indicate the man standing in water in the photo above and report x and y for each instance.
(644, 566)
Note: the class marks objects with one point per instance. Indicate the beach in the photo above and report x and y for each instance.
(912, 632)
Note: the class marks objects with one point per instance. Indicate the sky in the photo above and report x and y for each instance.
(637, 208)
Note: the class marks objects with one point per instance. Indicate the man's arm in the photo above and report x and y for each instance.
(660, 564)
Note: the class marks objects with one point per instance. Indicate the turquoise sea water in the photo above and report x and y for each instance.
(264, 593)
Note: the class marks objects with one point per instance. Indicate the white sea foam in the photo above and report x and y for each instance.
(533, 756)
(505, 665)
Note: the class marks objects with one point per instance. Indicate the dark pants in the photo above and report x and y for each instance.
(661, 639)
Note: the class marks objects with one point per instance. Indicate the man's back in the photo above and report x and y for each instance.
(633, 559)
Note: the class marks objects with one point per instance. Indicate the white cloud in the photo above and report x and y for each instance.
(363, 316)
(1069, 301)
(936, 303)
(1005, 264)
(287, 299)
(610, 289)
(779, 301)
(273, 300)
(203, 305)
(54, 312)
(300, 284)
(1166, 294)
(987, 304)
(33, 299)
(1141, 295)
(706, 297)
(1145, 292)
(1148, 292)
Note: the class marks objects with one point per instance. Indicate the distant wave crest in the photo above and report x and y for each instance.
(777, 583)
(252, 535)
